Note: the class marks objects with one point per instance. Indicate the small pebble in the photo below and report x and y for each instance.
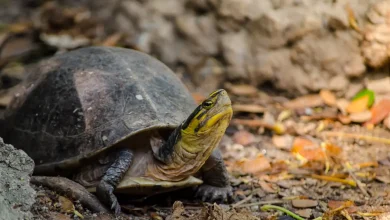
(139, 97)
(304, 203)
(306, 213)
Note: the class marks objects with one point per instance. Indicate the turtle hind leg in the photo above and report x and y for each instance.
(112, 177)
(72, 190)
(216, 186)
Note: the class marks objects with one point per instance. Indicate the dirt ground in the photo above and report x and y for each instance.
(309, 83)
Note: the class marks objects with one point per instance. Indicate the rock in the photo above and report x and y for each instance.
(304, 203)
(16, 194)
(299, 46)
(243, 9)
(306, 213)
(276, 66)
(338, 83)
(237, 54)
(376, 38)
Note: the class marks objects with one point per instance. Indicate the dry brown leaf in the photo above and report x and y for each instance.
(379, 111)
(267, 187)
(349, 205)
(243, 137)
(360, 117)
(306, 213)
(112, 40)
(358, 105)
(251, 108)
(66, 205)
(253, 166)
(305, 102)
(328, 97)
(241, 89)
(310, 150)
(283, 142)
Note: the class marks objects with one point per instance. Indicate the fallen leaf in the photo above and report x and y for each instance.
(243, 137)
(253, 166)
(267, 187)
(241, 89)
(112, 40)
(379, 111)
(283, 142)
(349, 205)
(328, 97)
(335, 179)
(252, 108)
(358, 105)
(305, 102)
(332, 150)
(306, 213)
(65, 204)
(366, 92)
(304, 203)
(307, 150)
(360, 117)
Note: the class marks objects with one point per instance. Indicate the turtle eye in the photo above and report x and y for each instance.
(207, 104)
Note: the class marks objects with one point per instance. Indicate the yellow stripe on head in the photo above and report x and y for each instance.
(215, 108)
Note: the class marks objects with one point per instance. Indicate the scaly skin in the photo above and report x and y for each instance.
(216, 187)
(192, 148)
(112, 177)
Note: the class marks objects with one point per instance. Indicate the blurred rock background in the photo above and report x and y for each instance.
(293, 46)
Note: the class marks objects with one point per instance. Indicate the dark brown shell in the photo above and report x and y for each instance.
(78, 103)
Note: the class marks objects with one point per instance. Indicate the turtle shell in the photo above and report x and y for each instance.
(76, 104)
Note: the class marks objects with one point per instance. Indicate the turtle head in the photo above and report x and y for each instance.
(191, 144)
(212, 115)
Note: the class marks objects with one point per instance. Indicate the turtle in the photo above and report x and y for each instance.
(118, 120)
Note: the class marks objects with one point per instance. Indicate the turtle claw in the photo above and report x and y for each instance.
(208, 193)
(105, 192)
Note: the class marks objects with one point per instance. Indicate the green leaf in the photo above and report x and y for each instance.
(366, 92)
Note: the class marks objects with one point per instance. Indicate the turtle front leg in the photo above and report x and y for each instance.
(112, 177)
(216, 186)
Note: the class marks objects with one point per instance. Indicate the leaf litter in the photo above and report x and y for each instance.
(315, 156)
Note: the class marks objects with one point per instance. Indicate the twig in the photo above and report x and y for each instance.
(288, 212)
(333, 179)
(242, 201)
(261, 203)
(358, 136)
(358, 183)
